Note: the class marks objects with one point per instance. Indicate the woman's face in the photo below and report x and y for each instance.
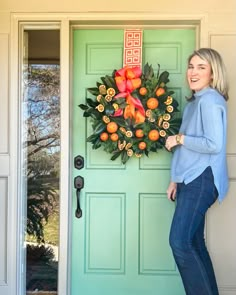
(199, 74)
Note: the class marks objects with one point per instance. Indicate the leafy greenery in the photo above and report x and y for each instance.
(41, 271)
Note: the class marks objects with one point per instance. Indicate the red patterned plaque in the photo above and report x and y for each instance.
(132, 48)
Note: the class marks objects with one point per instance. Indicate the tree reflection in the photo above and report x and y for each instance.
(42, 153)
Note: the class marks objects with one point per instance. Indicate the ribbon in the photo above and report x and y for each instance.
(127, 80)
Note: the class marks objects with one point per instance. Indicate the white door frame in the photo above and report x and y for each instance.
(64, 21)
(18, 25)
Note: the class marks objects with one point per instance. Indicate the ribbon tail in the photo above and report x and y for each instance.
(130, 108)
(121, 95)
(139, 118)
(138, 105)
(118, 113)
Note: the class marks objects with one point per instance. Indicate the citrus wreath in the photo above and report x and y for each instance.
(133, 112)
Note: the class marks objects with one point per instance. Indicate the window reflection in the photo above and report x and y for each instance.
(41, 112)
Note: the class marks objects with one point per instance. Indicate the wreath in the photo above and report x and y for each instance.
(132, 112)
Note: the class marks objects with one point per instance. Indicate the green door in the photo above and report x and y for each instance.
(120, 244)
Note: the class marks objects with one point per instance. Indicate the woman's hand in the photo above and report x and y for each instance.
(171, 191)
(174, 140)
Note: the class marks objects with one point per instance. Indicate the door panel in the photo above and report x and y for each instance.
(120, 245)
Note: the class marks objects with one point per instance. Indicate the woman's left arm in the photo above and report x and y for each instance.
(213, 117)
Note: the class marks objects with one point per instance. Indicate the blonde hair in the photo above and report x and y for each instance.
(219, 80)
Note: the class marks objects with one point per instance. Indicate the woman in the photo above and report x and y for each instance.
(199, 170)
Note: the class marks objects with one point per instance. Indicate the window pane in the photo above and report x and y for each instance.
(41, 133)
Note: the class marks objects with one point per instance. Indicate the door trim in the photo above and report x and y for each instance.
(67, 21)
(17, 201)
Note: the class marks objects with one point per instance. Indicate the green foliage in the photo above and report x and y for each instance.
(42, 268)
(39, 253)
(40, 204)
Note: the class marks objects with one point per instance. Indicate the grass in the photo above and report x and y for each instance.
(51, 229)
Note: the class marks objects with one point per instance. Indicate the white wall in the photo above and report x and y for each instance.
(4, 157)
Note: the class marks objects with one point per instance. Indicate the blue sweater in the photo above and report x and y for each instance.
(204, 125)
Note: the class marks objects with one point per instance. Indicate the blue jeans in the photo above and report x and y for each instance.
(187, 234)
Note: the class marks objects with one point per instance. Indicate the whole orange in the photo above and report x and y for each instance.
(153, 135)
(160, 91)
(104, 136)
(152, 103)
(142, 145)
(139, 133)
(114, 137)
(143, 90)
(112, 127)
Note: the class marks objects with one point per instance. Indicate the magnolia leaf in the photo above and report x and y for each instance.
(99, 128)
(164, 77)
(92, 138)
(106, 80)
(91, 102)
(119, 121)
(146, 68)
(120, 100)
(109, 110)
(116, 155)
(172, 131)
(148, 72)
(146, 152)
(92, 113)
(96, 145)
(93, 91)
(83, 107)
(111, 82)
(95, 114)
(87, 114)
(124, 157)
(170, 92)
(158, 70)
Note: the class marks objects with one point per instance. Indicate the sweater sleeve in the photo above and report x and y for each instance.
(212, 116)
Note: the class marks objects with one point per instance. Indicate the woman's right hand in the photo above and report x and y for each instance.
(171, 191)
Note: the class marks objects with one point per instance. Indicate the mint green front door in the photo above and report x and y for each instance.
(120, 244)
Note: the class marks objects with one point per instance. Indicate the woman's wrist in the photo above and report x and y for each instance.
(179, 139)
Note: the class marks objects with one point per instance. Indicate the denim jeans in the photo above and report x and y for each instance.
(187, 234)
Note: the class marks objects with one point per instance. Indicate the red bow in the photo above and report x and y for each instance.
(127, 80)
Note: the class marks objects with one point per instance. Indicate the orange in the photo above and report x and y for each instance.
(160, 91)
(114, 136)
(153, 135)
(139, 133)
(143, 90)
(142, 145)
(104, 136)
(152, 103)
(112, 127)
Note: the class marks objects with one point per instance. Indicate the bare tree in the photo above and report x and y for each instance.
(42, 144)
